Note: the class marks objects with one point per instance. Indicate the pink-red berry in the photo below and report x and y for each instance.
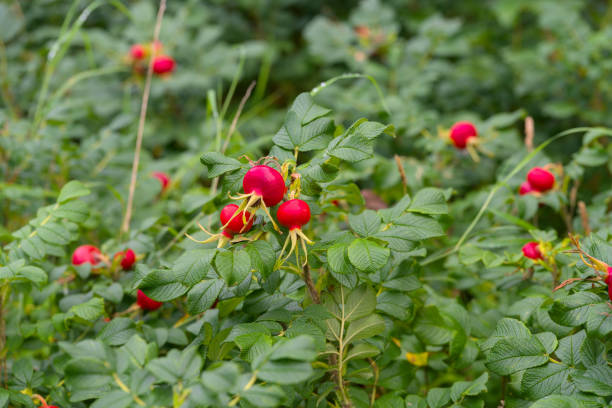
(163, 178)
(266, 182)
(128, 258)
(293, 213)
(541, 179)
(146, 303)
(163, 64)
(531, 250)
(236, 225)
(86, 254)
(138, 52)
(526, 188)
(461, 132)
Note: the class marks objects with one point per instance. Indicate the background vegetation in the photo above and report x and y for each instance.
(443, 311)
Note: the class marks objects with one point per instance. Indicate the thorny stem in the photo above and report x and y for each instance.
(141, 121)
(402, 172)
(345, 400)
(312, 290)
(584, 218)
(4, 293)
(376, 375)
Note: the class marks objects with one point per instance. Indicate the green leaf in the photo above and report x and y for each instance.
(419, 227)
(262, 256)
(569, 348)
(202, 296)
(365, 224)
(285, 371)
(429, 201)
(462, 389)
(506, 328)
(550, 379)
(71, 190)
(399, 238)
(298, 348)
(362, 351)
(367, 255)
(556, 401)
(306, 109)
(218, 164)
(76, 211)
(90, 310)
(115, 399)
(54, 234)
(364, 328)
(438, 397)
(117, 332)
(592, 352)
(162, 285)
(432, 328)
(509, 356)
(596, 380)
(193, 266)
(233, 266)
(357, 143)
(574, 310)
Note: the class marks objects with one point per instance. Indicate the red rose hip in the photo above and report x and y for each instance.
(235, 224)
(531, 250)
(163, 64)
(266, 183)
(541, 179)
(128, 258)
(163, 178)
(86, 254)
(293, 214)
(526, 188)
(138, 52)
(146, 303)
(461, 133)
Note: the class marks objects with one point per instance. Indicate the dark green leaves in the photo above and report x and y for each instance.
(218, 164)
(305, 126)
(357, 143)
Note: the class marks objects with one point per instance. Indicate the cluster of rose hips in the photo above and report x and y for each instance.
(539, 180)
(92, 255)
(264, 187)
(162, 63)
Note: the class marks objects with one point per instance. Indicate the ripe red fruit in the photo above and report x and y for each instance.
(541, 179)
(138, 51)
(526, 188)
(461, 132)
(293, 214)
(163, 64)
(265, 183)
(235, 224)
(531, 250)
(146, 302)
(163, 178)
(86, 254)
(128, 258)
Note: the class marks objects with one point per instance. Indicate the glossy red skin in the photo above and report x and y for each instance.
(146, 303)
(128, 259)
(531, 251)
(540, 179)
(163, 64)
(526, 188)
(461, 132)
(138, 51)
(85, 254)
(266, 182)
(163, 178)
(293, 213)
(236, 226)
